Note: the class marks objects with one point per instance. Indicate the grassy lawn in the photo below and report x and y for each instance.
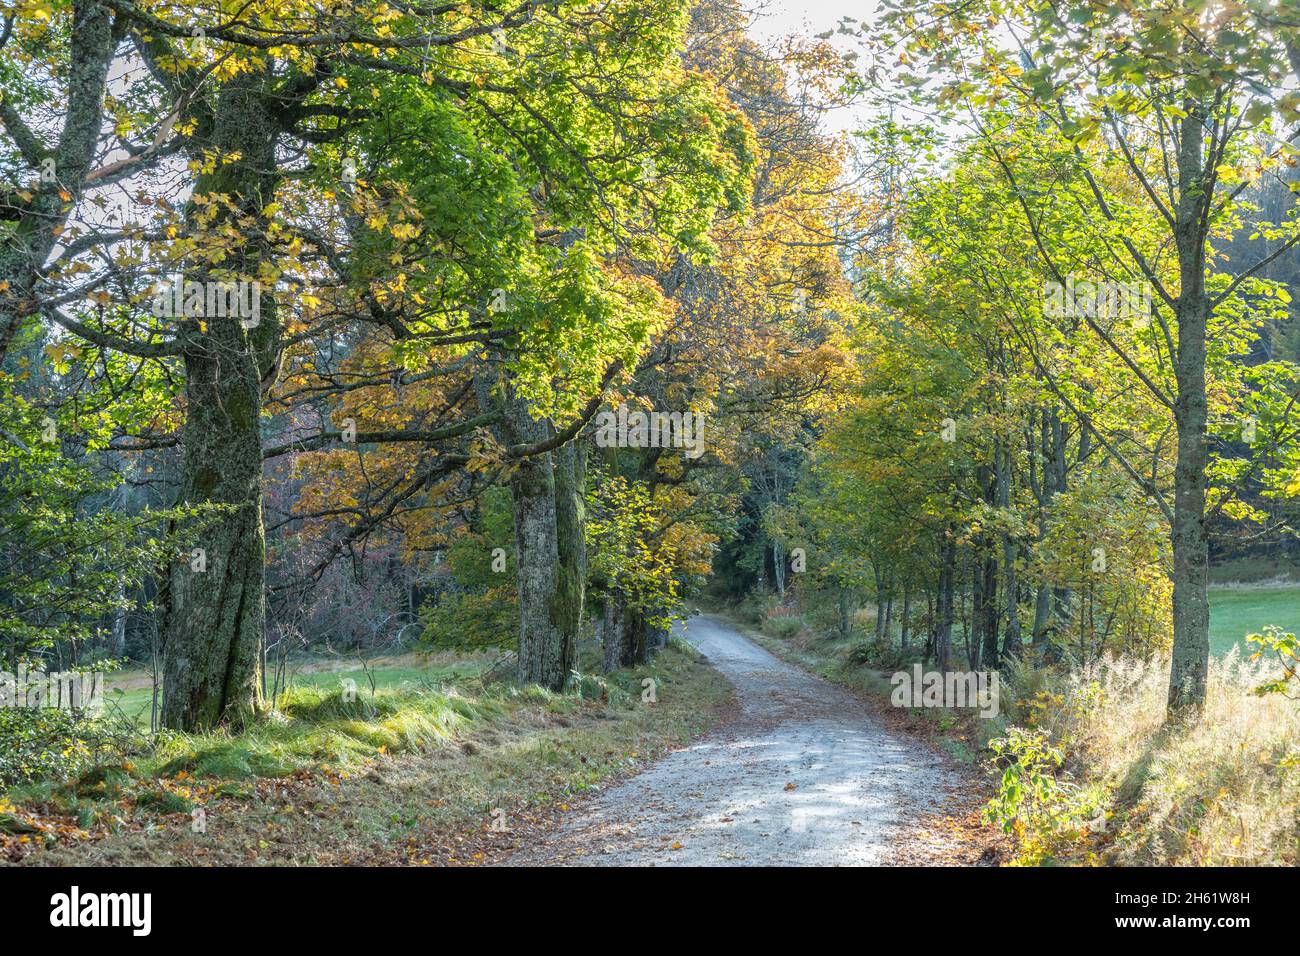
(129, 690)
(1238, 611)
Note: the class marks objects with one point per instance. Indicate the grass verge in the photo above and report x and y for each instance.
(421, 773)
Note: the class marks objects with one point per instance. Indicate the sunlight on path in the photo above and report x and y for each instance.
(803, 776)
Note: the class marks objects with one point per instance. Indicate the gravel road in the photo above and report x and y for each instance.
(803, 776)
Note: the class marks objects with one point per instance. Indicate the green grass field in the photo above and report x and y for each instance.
(409, 671)
(1236, 612)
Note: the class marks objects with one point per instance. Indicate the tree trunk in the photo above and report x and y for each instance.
(117, 645)
(545, 651)
(628, 637)
(989, 609)
(931, 625)
(778, 568)
(985, 610)
(947, 576)
(907, 615)
(1011, 643)
(1042, 615)
(880, 602)
(216, 616)
(638, 635)
(1191, 612)
(889, 605)
(1042, 482)
(1062, 596)
(215, 622)
(1011, 633)
(28, 244)
(656, 638)
(616, 634)
(571, 523)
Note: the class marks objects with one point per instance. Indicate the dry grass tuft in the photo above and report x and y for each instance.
(1219, 791)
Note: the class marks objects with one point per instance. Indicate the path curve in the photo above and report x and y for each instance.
(803, 776)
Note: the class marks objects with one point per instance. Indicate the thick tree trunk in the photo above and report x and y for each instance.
(628, 637)
(549, 518)
(618, 649)
(215, 618)
(545, 650)
(571, 522)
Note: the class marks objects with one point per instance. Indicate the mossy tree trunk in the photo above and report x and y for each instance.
(569, 603)
(546, 493)
(215, 618)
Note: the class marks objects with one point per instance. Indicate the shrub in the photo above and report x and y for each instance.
(41, 743)
(1038, 801)
(756, 607)
(784, 626)
(884, 654)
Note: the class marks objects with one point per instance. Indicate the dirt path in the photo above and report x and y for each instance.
(803, 776)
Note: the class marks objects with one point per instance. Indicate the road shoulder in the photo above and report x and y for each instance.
(474, 800)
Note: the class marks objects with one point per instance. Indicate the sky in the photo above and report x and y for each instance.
(774, 20)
